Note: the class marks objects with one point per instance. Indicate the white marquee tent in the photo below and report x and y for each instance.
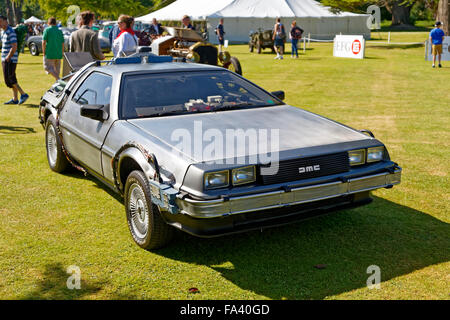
(33, 19)
(242, 16)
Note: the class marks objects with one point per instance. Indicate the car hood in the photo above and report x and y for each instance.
(277, 129)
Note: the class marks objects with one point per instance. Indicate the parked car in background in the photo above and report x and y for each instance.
(118, 121)
(34, 43)
(261, 40)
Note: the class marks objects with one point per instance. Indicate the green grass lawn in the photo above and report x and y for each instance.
(50, 221)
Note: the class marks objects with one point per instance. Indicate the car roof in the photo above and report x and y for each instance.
(118, 69)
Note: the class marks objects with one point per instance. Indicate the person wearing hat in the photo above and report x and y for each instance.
(437, 37)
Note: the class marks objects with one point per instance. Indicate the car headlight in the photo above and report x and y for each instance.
(375, 154)
(215, 180)
(243, 175)
(357, 157)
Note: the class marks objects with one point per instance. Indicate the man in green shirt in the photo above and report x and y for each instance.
(53, 48)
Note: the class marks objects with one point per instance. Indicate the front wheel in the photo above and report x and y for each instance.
(34, 50)
(55, 156)
(146, 225)
(235, 65)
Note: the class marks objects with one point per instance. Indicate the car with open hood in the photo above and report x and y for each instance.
(201, 149)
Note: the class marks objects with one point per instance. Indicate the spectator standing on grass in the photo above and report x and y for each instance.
(126, 42)
(85, 39)
(10, 57)
(113, 33)
(437, 37)
(295, 35)
(279, 35)
(220, 34)
(21, 34)
(52, 48)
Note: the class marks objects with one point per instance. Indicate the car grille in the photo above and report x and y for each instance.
(208, 54)
(306, 168)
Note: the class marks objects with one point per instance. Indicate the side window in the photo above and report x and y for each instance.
(95, 90)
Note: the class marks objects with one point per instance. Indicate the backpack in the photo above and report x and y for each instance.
(21, 33)
(281, 32)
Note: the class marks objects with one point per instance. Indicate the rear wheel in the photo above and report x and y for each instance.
(235, 65)
(146, 225)
(34, 50)
(55, 156)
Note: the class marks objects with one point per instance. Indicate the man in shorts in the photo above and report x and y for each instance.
(10, 57)
(279, 35)
(53, 48)
(437, 37)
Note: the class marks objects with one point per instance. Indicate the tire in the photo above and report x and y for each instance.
(235, 65)
(146, 225)
(56, 158)
(34, 50)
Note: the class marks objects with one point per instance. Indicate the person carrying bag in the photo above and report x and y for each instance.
(126, 42)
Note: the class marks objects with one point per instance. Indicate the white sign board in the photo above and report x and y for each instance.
(445, 50)
(349, 47)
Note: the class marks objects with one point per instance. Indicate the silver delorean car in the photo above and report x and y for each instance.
(158, 133)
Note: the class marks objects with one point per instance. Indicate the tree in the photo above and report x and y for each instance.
(158, 4)
(110, 9)
(14, 11)
(443, 15)
(400, 9)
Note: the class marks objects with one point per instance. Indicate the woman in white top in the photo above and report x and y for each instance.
(126, 42)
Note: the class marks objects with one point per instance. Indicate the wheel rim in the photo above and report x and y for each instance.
(138, 209)
(52, 147)
(33, 49)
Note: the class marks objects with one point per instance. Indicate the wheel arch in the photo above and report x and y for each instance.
(129, 160)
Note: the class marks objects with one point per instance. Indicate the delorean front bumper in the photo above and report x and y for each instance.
(209, 209)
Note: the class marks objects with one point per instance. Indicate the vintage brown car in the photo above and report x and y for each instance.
(190, 45)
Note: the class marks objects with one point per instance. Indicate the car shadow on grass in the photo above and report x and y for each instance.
(282, 262)
(74, 173)
(31, 105)
(16, 130)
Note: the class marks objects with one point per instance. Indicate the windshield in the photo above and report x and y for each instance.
(150, 95)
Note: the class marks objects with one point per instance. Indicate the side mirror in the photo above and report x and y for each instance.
(95, 112)
(279, 94)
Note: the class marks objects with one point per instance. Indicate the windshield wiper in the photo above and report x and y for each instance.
(233, 106)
